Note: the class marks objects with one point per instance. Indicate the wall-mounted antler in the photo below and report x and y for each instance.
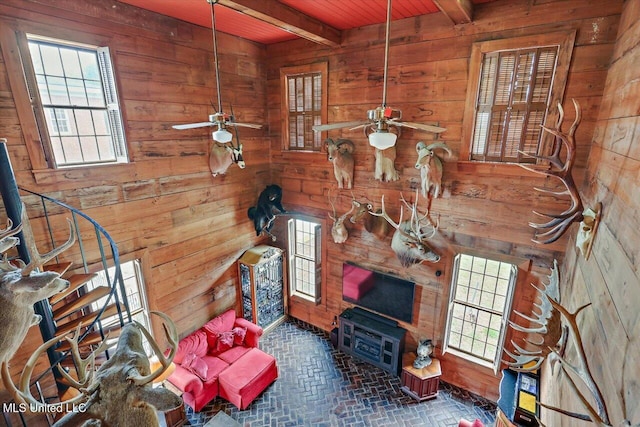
(119, 392)
(552, 230)
(548, 324)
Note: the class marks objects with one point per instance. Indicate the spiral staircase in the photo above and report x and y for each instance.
(98, 307)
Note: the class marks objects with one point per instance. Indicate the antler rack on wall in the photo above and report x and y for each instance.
(558, 224)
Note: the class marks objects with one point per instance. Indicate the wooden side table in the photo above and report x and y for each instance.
(421, 384)
(175, 417)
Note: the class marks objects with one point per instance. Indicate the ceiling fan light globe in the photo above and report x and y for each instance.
(382, 140)
(222, 135)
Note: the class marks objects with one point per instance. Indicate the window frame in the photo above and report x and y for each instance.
(111, 108)
(285, 74)
(292, 255)
(13, 42)
(565, 42)
(515, 278)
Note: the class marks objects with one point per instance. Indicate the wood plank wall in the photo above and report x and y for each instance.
(610, 278)
(485, 208)
(188, 227)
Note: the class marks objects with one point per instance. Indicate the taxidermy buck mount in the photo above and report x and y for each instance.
(383, 125)
(546, 325)
(220, 119)
(558, 224)
(339, 231)
(375, 225)
(21, 286)
(409, 242)
(120, 392)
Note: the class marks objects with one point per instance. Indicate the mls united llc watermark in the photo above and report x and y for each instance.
(44, 407)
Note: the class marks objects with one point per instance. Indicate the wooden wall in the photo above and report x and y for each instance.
(188, 227)
(485, 208)
(610, 278)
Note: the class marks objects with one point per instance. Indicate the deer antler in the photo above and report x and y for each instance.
(38, 260)
(562, 171)
(416, 222)
(383, 214)
(172, 336)
(23, 394)
(81, 364)
(7, 242)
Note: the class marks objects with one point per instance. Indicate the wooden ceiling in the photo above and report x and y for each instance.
(272, 21)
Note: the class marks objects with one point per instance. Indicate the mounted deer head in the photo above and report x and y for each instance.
(21, 287)
(552, 230)
(430, 165)
(119, 393)
(339, 230)
(409, 242)
(376, 225)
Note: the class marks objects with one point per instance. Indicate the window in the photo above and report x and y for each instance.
(134, 286)
(479, 304)
(304, 95)
(517, 81)
(74, 97)
(305, 263)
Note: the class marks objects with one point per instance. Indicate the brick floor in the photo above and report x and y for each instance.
(320, 386)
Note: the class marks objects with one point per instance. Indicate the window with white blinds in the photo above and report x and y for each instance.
(512, 101)
(305, 105)
(75, 101)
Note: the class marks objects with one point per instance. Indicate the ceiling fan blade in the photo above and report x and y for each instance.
(246, 125)
(419, 126)
(193, 125)
(322, 128)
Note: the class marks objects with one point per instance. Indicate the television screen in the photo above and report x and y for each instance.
(382, 293)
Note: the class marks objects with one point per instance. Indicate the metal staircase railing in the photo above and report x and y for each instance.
(96, 252)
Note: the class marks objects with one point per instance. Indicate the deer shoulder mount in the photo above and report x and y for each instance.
(546, 323)
(21, 286)
(385, 168)
(119, 393)
(430, 165)
(339, 231)
(375, 225)
(340, 153)
(409, 241)
(221, 156)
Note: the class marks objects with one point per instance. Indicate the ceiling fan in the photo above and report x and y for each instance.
(219, 118)
(382, 120)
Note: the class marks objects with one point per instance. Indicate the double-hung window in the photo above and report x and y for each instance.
(304, 97)
(479, 306)
(514, 88)
(75, 101)
(305, 260)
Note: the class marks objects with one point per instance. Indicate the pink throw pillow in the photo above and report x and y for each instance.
(238, 335)
(224, 343)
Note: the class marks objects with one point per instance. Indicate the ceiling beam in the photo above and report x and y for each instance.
(458, 11)
(286, 18)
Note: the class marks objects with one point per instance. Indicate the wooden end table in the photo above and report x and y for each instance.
(421, 384)
(175, 417)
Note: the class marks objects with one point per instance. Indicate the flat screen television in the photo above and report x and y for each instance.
(383, 293)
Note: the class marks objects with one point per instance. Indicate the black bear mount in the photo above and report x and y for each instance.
(263, 213)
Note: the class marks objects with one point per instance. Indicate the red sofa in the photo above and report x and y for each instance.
(223, 359)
